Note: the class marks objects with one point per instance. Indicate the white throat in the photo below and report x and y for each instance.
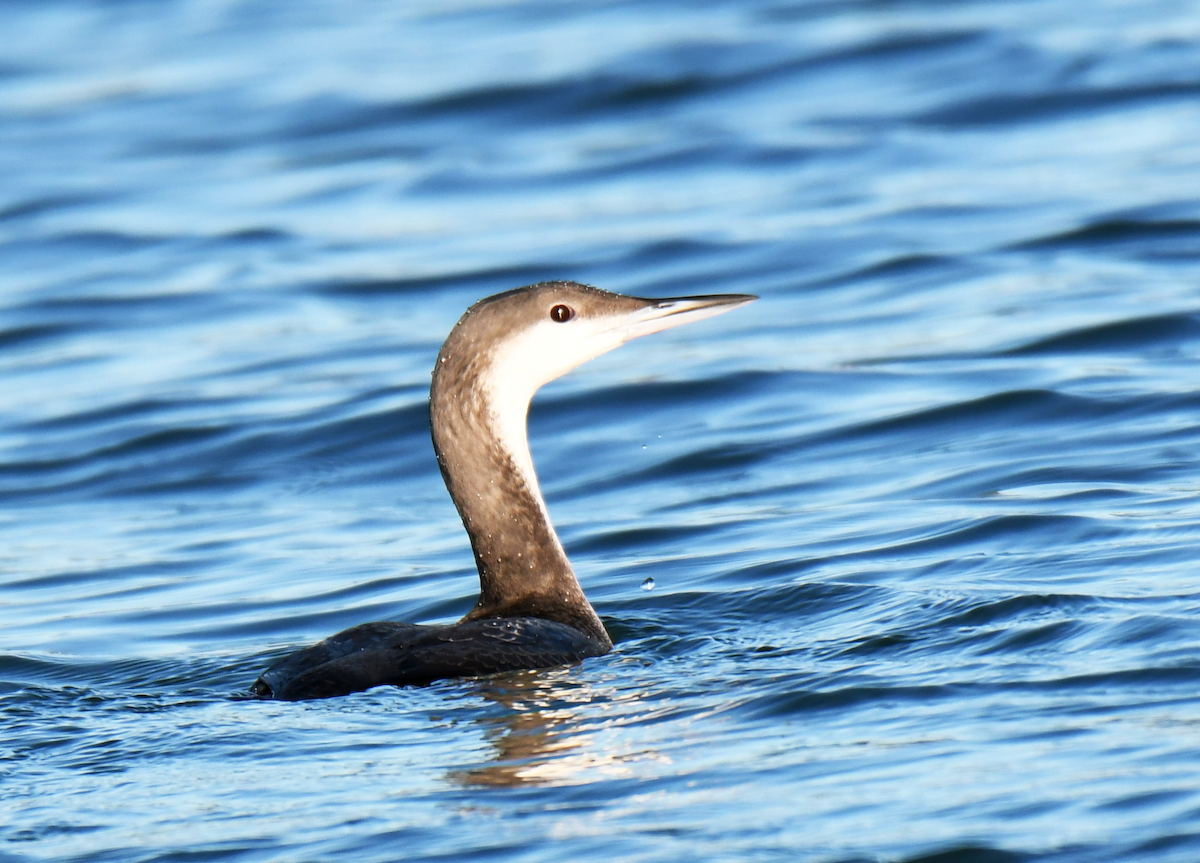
(524, 363)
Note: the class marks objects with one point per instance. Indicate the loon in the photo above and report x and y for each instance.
(531, 612)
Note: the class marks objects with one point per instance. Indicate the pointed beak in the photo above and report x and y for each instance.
(663, 314)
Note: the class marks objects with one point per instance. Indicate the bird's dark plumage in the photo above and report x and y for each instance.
(411, 654)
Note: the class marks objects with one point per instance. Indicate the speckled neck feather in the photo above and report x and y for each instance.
(478, 427)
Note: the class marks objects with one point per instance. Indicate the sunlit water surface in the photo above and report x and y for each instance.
(922, 523)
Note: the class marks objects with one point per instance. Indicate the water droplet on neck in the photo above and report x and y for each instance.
(648, 584)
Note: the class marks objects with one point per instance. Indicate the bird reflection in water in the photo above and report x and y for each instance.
(544, 733)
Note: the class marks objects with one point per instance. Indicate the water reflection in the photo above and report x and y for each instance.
(542, 735)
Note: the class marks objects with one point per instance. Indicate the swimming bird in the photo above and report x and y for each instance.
(531, 612)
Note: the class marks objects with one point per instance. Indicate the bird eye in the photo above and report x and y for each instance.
(561, 314)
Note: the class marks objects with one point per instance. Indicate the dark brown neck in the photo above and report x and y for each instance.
(484, 458)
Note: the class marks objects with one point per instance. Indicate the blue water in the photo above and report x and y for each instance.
(922, 524)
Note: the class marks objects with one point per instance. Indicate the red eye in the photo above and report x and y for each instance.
(561, 314)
